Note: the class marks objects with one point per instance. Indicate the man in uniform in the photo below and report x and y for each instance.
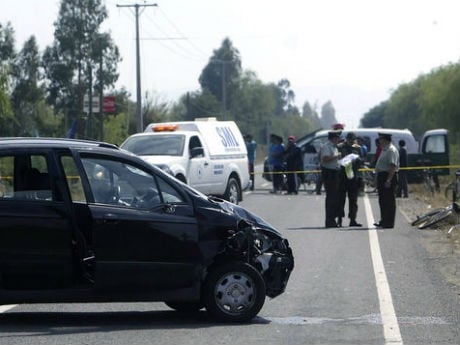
(330, 176)
(386, 168)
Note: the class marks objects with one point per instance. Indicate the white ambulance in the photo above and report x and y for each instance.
(207, 154)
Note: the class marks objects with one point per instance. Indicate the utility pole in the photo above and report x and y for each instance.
(140, 120)
(224, 83)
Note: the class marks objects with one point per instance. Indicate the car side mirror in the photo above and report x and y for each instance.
(197, 152)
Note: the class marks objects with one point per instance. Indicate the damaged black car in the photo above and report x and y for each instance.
(85, 221)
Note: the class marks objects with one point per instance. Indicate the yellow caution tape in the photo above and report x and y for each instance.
(430, 167)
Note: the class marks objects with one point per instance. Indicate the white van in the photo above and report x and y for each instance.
(207, 154)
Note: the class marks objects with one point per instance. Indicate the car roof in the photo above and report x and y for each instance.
(54, 142)
(369, 130)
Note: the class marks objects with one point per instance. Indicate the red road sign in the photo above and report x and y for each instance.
(110, 105)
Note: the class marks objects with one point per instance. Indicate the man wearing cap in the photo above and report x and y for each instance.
(349, 185)
(275, 160)
(330, 176)
(386, 168)
(294, 164)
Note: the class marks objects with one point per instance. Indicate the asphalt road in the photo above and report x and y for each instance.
(349, 286)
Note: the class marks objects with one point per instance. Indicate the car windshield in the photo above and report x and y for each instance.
(156, 145)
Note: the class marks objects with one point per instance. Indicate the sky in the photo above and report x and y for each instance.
(351, 52)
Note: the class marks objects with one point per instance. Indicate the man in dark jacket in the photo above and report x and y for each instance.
(402, 174)
(350, 185)
(294, 164)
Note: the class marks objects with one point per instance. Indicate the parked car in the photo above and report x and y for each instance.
(87, 222)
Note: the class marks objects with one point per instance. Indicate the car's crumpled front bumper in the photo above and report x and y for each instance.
(276, 269)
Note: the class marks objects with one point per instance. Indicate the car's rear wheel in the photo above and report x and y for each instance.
(232, 193)
(234, 292)
(185, 306)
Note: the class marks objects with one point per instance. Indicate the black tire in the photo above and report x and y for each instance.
(185, 306)
(443, 214)
(234, 292)
(426, 216)
(233, 191)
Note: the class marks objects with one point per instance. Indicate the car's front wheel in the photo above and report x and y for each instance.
(234, 292)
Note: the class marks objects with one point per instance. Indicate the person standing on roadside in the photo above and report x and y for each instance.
(402, 174)
(386, 168)
(378, 151)
(294, 164)
(350, 185)
(330, 176)
(251, 147)
(275, 160)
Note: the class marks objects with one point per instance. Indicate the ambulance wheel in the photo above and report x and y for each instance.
(233, 191)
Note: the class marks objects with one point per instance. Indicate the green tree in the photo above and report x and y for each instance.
(197, 104)
(375, 116)
(439, 100)
(155, 109)
(6, 44)
(403, 110)
(285, 98)
(311, 115)
(71, 63)
(220, 76)
(328, 115)
(6, 114)
(6, 57)
(27, 93)
(255, 107)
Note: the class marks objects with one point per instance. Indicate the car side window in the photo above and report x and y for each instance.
(25, 176)
(169, 194)
(120, 183)
(7, 177)
(73, 179)
(435, 144)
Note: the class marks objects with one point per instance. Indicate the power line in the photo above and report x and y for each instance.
(198, 49)
(175, 43)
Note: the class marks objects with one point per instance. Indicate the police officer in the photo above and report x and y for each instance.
(350, 186)
(386, 168)
(330, 176)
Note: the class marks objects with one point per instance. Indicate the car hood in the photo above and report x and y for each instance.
(156, 160)
(241, 214)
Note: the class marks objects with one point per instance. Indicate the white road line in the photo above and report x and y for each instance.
(4, 308)
(390, 324)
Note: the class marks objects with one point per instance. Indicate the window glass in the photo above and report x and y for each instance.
(6, 177)
(169, 193)
(194, 142)
(118, 183)
(37, 179)
(158, 145)
(435, 144)
(25, 176)
(73, 179)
